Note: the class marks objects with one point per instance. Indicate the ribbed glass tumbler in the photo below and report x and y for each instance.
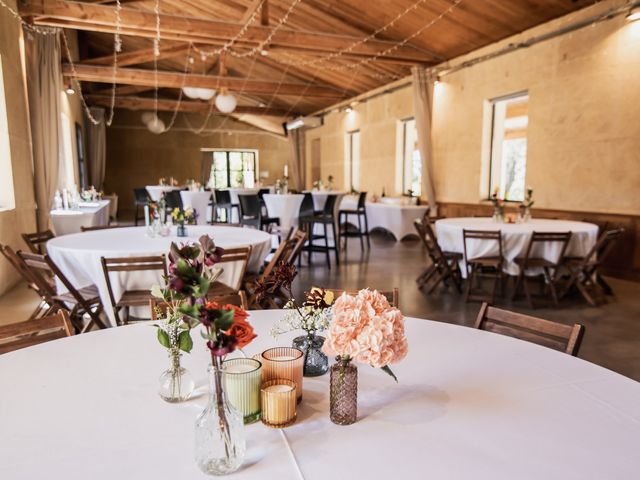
(283, 363)
(242, 379)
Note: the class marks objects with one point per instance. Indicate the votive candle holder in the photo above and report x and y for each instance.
(278, 399)
(283, 363)
(242, 380)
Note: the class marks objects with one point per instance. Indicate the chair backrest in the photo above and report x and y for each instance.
(130, 264)
(19, 265)
(425, 232)
(307, 208)
(330, 204)
(158, 308)
(141, 195)
(36, 240)
(391, 295)
(362, 200)
(565, 338)
(33, 332)
(240, 255)
(262, 192)
(223, 197)
(101, 227)
(603, 247)
(173, 199)
(488, 235)
(249, 206)
(299, 238)
(561, 238)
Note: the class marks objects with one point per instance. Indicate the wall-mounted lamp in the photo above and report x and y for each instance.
(70, 90)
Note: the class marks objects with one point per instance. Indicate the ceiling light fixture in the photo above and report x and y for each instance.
(348, 109)
(226, 102)
(634, 14)
(199, 93)
(70, 90)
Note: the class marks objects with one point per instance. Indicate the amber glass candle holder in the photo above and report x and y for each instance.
(278, 398)
(283, 362)
(242, 380)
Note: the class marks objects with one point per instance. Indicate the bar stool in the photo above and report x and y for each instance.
(251, 213)
(223, 201)
(361, 214)
(326, 218)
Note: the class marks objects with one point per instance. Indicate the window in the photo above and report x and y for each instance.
(411, 162)
(7, 198)
(353, 160)
(509, 146)
(68, 179)
(233, 168)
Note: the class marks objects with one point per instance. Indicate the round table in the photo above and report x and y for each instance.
(285, 206)
(515, 239)
(78, 255)
(469, 404)
(156, 191)
(199, 201)
(88, 214)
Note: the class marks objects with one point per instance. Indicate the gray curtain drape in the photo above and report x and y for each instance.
(97, 148)
(423, 83)
(44, 80)
(205, 168)
(298, 160)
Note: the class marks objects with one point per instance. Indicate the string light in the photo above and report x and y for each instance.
(27, 25)
(118, 38)
(156, 40)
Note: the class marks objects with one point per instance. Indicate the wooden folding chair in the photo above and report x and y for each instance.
(391, 295)
(444, 265)
(33, 332)
(485, 265)
(550, 279)
(295, 247)
(78, 301)
(36, 241)
(583, 272)
(130, 298)
(240, 255)
(159, 308)
(564, 338)
(101, 227)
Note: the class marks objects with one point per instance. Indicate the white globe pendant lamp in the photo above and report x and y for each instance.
(198, 93)
(206, 93)
(226, 102)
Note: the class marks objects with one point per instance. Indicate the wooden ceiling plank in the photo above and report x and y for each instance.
(139, 56)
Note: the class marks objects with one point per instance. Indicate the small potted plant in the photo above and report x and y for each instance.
(498, 206)
(524, 214)
(182, 217)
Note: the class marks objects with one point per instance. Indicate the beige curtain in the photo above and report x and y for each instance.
(96, 148)
(298, 162)
(423, 105)
(44, 80)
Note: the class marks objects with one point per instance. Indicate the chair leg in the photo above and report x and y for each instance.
(360, 233)
(335, 244)
(326, 244)
(605, 286)
(518, 285)
(470, 277)
(346, 231)
(366, 229)
(585, 293)
(525, 285)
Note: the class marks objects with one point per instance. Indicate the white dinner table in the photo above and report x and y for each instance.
(78, 255)
(515, 239)
(88, 214)
(156, 191)
(468, 405)
(199, 202)
(284, 206)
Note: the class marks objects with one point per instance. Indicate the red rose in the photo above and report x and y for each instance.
(242, 331)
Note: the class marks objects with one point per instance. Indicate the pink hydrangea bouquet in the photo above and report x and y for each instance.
(367, 329)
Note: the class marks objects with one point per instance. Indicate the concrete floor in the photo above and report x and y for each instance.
(612, 337)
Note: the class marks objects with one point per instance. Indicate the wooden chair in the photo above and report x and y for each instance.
(393, 296)
(78, 301)
(554, 335)
(43, 307)
(101, 227)
(241, 255)
(444, 265)
(33, 332)
(485, 265)
(158, 308)
(130, 298)
(583, 272)
(36, 241)
(550, 279)
(295, 247)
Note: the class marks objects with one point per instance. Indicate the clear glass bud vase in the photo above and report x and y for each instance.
(219, 430)
(316, 362)
(343, 395)
(176, 383)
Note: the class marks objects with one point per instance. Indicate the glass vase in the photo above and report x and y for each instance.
(176, 383)
(181, 231)
(343, 394)
(316, 362)
(498, 215)
(219, 430)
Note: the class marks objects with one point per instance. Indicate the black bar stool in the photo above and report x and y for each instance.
(326, 218)
(361, 214)
(251, 212)
(223, 201)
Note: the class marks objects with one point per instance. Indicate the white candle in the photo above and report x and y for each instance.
(278, 389)
(65, 199)
(286, 170)
(238, 368)
(283, 358)
(146, 215)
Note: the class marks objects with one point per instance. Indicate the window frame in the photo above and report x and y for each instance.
(229, 171)
(350, 136)
(403, 156)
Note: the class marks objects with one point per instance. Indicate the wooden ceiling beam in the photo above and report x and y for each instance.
(137, 57)
(84, 16)
(169, 105)
(164, 79)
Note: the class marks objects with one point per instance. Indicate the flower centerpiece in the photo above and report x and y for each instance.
(365, 328)
(525, 207)
(181, 217)
(312, 317)
(498, 206)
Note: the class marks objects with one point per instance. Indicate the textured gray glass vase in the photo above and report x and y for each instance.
(316, 362)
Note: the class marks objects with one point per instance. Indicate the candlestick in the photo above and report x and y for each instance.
(283, 363)
(65, 199)
(286, 171)
(242, 377)
(146, 215)
(278, 403)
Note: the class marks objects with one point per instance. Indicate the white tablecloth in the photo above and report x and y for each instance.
(286, 207)
(468, 405)
(89, 214)
(395, 219)
(78, 256)
(515, 239)
(199, 201)
(156, 191)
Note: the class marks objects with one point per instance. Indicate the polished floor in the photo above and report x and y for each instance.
(612, 337)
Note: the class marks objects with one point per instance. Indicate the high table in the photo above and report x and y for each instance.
(286, 207)
(515, 239)
(469, 405)
(78, 256)
(156, 191)
(88, 214)
(199, 201)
